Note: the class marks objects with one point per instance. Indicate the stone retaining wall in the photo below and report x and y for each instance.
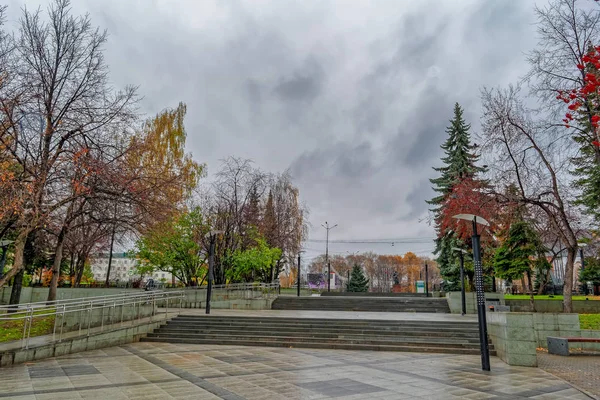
(99, 340)
(516, 336)
(455, 302)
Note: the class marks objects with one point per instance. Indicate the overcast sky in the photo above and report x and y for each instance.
(351, 96)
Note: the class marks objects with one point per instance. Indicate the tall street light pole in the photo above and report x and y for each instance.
(299, 272)
(212, 237)
(483, 337)
(426, 281)
(461, 253)
(328, 228)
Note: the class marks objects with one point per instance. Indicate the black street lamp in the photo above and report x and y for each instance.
(212, 236)
(483, 337)
(461, 253)
(299, 271)
(426, 281)
(4, 245)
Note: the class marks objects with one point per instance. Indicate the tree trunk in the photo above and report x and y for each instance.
(18, 263)
(568, 288)
(15, 294)
(72, 268)
(58, 255)
(112, 242)
(531, 298)
(80, 267)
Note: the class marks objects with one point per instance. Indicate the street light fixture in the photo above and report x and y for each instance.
(462, 253)
(212, 236)
(4, 245)
(483, 337)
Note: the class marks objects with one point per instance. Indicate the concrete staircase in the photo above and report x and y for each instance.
(378, 304)
(349, 334)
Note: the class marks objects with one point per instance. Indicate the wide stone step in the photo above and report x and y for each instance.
(324, 331)
(321, 345)
(381, 304)
(446, 330)
(371, 339)
(329, 321)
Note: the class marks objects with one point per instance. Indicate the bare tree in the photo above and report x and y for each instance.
(565, 32)
(59, 67)
(534, 157)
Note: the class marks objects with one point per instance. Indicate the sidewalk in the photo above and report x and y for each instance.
(582, 371)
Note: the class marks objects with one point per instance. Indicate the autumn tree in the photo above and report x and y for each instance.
(530, 153)
(255, 263)
(175, 247)
(59, 70)
(565, 65)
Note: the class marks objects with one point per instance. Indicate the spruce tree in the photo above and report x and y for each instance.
(358, 282)
(521, 252)
(459, 163)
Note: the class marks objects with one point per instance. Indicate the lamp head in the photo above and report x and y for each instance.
(472, 218)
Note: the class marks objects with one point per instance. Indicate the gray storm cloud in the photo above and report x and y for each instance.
(352, 96)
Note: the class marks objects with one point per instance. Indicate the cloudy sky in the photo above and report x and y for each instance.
(351, 96)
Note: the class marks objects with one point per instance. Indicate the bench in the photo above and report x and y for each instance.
(560, 346)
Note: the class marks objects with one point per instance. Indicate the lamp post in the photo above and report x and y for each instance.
(212, 236)
(328, 228)
(426, 281)
(299, 270)
(461, 253)
(483, 337)
(4, 244)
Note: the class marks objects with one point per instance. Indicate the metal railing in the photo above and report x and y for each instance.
(85, 307)
(250, 290)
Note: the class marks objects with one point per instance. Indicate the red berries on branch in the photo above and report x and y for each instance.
(588, 93)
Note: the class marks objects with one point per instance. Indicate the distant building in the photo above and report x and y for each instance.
(123, 268)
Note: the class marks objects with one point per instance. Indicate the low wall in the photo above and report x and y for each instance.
(371, 294)
(556, 324)
(37, 294)
(194, 298)
(514, 338)
(455, 302)
(108, 338)
(554, 306)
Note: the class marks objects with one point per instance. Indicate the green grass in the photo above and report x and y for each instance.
(589, 321)
(547, 297)
(13, 330)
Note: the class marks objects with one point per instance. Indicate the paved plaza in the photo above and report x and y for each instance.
(168, 371)
(582, 370)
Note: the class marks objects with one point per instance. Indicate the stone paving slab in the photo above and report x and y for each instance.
(149, 371)
(582, 370)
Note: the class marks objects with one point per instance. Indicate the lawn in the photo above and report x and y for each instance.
(589, 321)
(547, 297)
(13, 330)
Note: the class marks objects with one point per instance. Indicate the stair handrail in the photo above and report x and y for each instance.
(28, 311)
